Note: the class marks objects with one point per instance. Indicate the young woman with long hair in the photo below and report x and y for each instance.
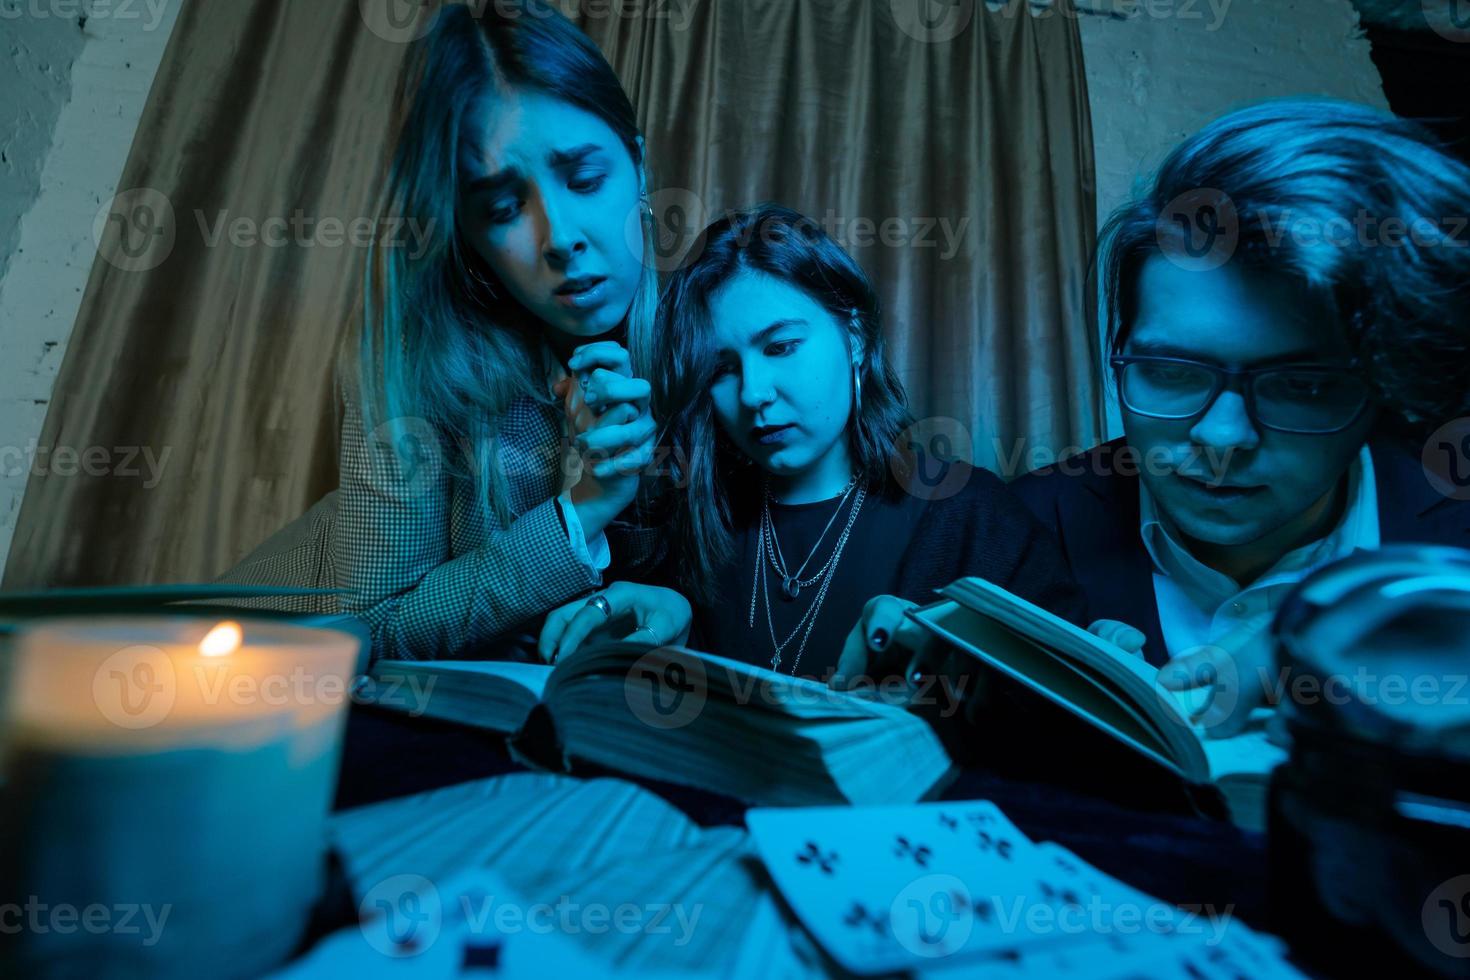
(464, 510)
(799, 530)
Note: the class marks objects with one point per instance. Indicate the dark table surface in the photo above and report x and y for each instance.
(1148, 832)
(1179, 856)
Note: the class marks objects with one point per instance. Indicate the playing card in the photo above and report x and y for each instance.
(1241, 953)
(1138, 936)
(891, 888)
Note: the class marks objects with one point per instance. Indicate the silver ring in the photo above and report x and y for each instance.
(600, 603)
(645, 626)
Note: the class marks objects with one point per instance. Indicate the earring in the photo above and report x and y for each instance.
(646, 207)
(857, 390)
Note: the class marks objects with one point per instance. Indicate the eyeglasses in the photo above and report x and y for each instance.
(1306, 399)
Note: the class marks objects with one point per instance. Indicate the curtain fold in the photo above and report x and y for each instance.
(956, 165)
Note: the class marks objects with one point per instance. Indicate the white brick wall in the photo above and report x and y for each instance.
(1157, 71)
(1170, 66)
(45, 262)
(1174, 65)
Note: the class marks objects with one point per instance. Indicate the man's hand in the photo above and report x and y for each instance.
(1225, 681)
(1127, 638)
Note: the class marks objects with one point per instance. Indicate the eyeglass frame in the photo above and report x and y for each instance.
(1226, 377)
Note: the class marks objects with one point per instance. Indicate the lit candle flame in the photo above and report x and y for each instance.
(222, 641)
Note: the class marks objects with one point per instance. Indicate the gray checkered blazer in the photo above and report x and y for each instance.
(425, 574)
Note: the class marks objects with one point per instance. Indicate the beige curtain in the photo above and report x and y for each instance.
(947, 145)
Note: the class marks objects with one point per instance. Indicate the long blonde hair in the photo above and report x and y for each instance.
(441, 349)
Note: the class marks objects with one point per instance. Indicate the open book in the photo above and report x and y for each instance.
(685, 717)
(1113, 691)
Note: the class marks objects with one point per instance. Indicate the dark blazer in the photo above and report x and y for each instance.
(1093, 508)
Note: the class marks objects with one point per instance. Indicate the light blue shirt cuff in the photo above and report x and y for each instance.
(594, 553)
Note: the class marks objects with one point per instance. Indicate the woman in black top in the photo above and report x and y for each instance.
(799, 508)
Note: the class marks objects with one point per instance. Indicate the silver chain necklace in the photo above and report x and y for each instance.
(760, 586)
(791, 584)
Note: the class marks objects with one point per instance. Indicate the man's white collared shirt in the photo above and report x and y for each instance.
(1198, 605)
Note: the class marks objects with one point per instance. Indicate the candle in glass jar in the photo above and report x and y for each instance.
(168, 780)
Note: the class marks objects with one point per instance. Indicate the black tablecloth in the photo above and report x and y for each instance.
(1185, 859)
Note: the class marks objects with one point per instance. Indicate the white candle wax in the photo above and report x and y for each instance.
(176, 773)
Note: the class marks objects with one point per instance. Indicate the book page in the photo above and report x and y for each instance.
(1050, 676)
(701, 720)
(1134, 677)
(666, 669)
(494, 694)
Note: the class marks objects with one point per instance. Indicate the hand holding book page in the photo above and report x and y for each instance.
(1221, 683)
(1114, 691)
(657, 616)
(1230, 678)
(1127, 638)
(887, 643)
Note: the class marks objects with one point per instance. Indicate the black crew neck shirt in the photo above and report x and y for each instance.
(868, 566)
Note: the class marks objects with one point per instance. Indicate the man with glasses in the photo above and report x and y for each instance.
(1268, 379)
